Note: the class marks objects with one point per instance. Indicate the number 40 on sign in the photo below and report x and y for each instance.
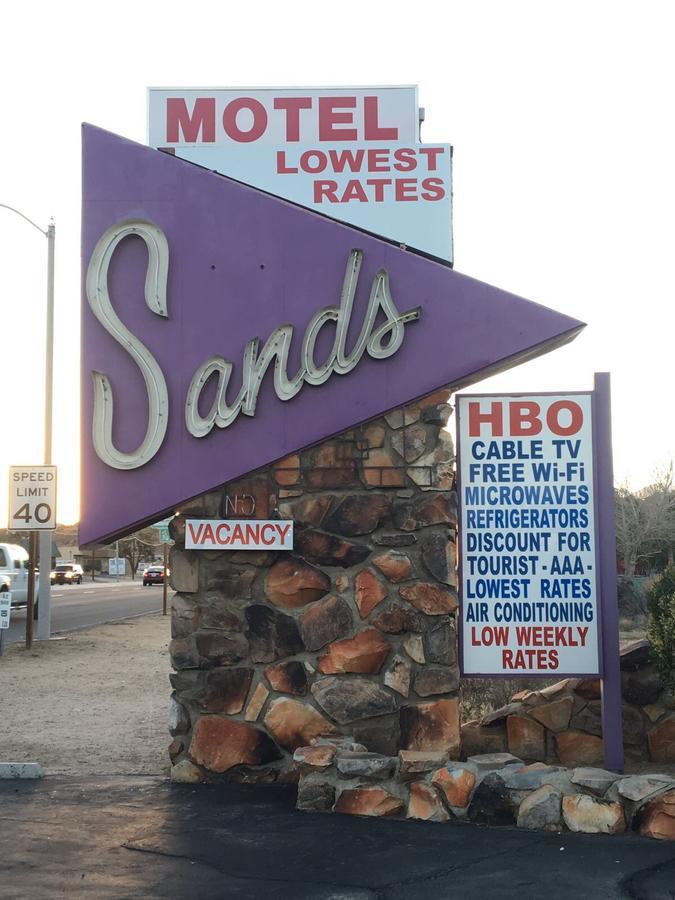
(32, 498)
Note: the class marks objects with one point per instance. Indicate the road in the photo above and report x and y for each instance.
(90, 603)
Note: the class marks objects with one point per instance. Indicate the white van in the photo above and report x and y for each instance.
(14, 569)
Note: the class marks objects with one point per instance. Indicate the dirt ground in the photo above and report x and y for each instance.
(91, 703)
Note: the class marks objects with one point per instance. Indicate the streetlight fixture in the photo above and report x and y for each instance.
(45, 600)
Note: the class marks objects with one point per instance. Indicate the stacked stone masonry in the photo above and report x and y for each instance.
(352, 633)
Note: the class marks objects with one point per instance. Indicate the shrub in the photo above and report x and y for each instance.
(661, 622)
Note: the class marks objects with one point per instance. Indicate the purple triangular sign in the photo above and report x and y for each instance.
(223, 329)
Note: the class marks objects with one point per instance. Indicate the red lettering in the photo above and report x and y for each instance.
(329, 117)
(524, 418)
(553, 659)
(258, 127)
(346, 158)
(292, 106)
(354, 191)
(553, 417)
(237, 534)
(306, 164)
(404, 187)
(582, 634)
(494, 419)
(195, 535)
(203, 119)
(372, 130)
(378, 161)
(379, 185)
(405, 159)
(327, 189)
(208, 534)
(224, 527)
(433, 189)
(282, 168)
(507, 659)
(252, 533)
(283, 530)
(431, 154)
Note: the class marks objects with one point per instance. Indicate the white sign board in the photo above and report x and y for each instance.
(349, 153)
(5, 608)
(529, 596)
(238, 534)
(117, 566)
(32, 498)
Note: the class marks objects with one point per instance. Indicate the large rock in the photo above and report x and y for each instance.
(657, 818)
(179, 717)
(414, 647)
(491, 803)
(294, 724)
(431, 726)
(532, 777)
(358, 514)
(592, 816)
(424, 803)
(380, 469)
(635, 654)
(226, 690)
(350, 699)
(231, 583)
(219, 612)
(221, 649)
(397, 676)
(256, 703)
(440, 642)
(326, 621)
(291, 583)
(431, 599)
(525, 737)
(329, 550)
(438, 557)
(364, 653)
(588, 718)
(287, 470)
(184, 653)
(575, 748)
(368, 801)
(456, 782)
(411, 442)
(394, 565)
(306, 511)
(433, 509)
(488, 762)
(541, 810)
(477, 740)
(641, 687)
(432, 680)
(318, 756)
(394, 540)
(184, 568)
(380, 735)
(185, 772)
(661, 740)
(333, 465)
(315, 794)
(352, 764)
(417, 762)
(640, 787)
(369, 592)
(271, 634)
(396, 618)
(288, 677)
(555, 715)
(219, 744)
(593, 779)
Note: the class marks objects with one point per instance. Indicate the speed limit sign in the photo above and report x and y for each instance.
(32, 498)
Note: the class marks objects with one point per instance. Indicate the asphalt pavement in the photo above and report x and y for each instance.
(92, 603)
(104, 838)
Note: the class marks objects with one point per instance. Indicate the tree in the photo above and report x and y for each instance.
(139, 547)
(661, 628)
(645, 522)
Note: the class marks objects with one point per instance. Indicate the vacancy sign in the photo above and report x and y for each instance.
(349, 153)
(238, 534)
(528, 562)
(32, 498)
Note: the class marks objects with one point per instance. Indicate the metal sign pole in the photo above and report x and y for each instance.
(612, 717)
(30, 608)
(165, 583)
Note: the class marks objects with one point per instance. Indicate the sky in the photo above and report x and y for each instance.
(560, 114)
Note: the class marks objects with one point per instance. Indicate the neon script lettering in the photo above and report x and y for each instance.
(379, 342)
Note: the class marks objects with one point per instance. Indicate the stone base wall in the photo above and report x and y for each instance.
(562, 723)
(488, 789)
(354, 632)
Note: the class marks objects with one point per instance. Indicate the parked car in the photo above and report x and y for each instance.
(154, 575)
(14, 570)
(67, 573)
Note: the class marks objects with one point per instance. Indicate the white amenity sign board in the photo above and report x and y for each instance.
(5, 608)
(32, 498)
(239, 534)
(529, 594)
(117, 566)
(349, 153)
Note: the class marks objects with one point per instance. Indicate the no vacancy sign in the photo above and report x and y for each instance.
(528, 550)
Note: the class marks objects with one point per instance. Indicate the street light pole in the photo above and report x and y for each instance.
(45, 599)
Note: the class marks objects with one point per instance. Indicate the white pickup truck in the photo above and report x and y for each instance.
(14, 573)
